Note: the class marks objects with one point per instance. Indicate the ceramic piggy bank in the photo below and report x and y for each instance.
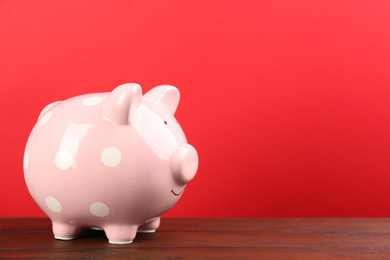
(114, 161)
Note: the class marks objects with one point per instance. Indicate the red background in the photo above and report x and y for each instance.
(287, 102)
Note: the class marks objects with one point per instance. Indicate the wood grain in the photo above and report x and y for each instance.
(276, 238)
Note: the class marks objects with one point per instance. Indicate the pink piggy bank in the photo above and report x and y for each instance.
(114, 161)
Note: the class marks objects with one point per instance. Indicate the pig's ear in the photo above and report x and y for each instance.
(165, 95)
(47, 108)
(122, 103)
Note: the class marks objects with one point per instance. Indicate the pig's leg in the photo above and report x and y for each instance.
(149, 226)
(65, 231)
(120, 234)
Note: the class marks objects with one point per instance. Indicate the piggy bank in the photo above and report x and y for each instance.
(114, 161)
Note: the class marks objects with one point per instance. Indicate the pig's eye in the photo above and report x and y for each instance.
(165, 122)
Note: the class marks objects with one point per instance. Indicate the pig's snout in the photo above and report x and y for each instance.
(184, 163)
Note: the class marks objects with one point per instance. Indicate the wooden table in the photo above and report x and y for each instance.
(265, 238)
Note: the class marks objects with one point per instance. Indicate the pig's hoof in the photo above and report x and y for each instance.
(64, 238)
(146, 231)
(120, 234)
(96, 228)
(149, 226)
(120, 242)
(63, 231)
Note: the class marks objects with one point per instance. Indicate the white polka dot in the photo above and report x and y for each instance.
(63, 159)
(111, 156)
(53, 204)
(91, 101)
(99, 209)
(25, 160)
(45, 118)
